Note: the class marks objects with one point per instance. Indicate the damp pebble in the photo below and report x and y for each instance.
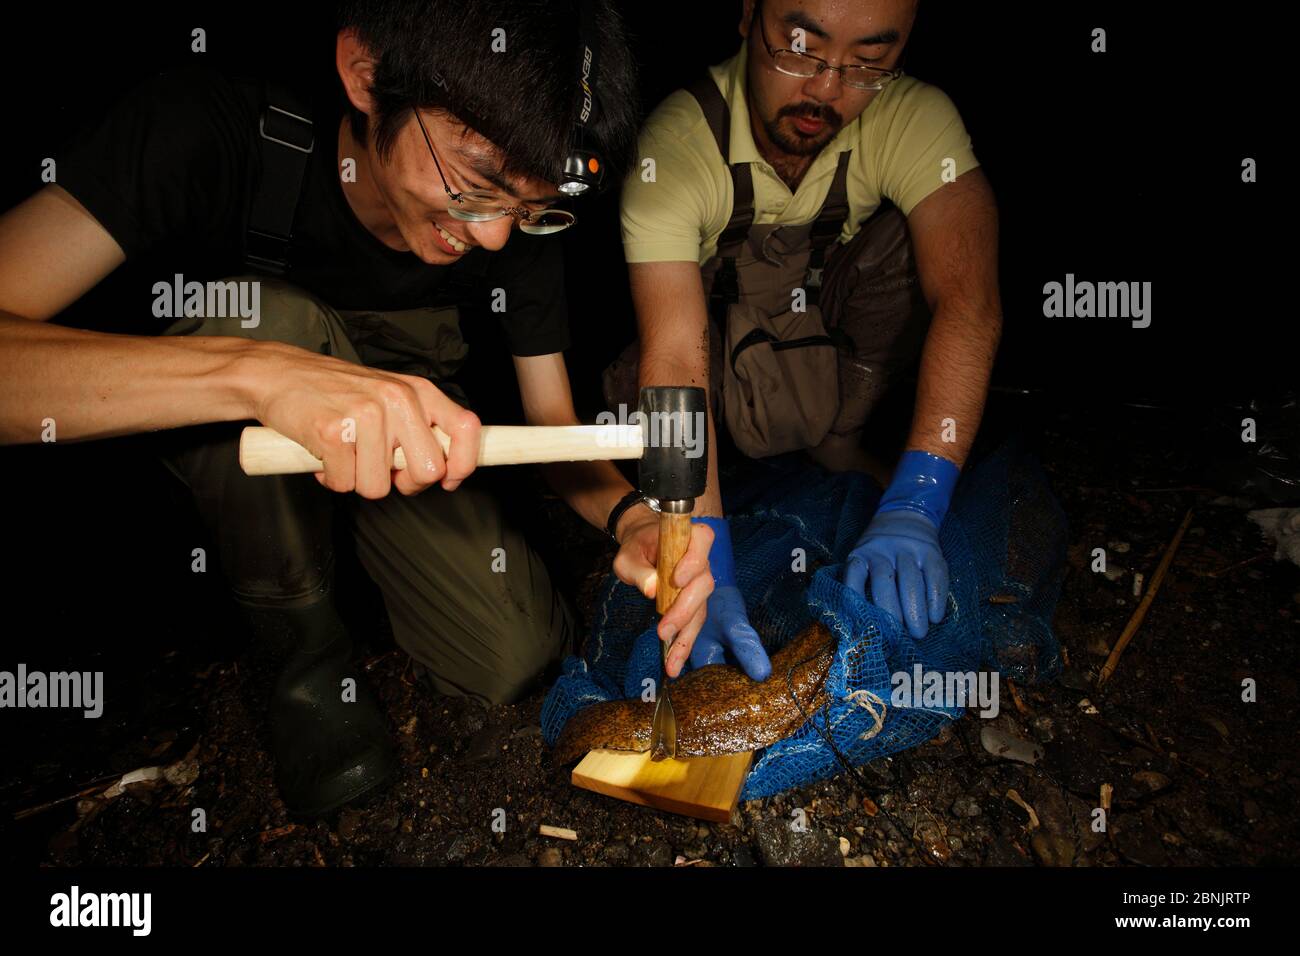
(1012, 748)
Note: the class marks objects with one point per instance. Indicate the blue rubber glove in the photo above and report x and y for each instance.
(900, 551)
(727, 626)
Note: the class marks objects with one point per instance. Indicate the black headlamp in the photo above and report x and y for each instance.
(584, 172)
(584, 168)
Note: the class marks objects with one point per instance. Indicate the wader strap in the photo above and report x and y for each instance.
(726, 284)
(825, 230)
(828, 225)
(285, 140)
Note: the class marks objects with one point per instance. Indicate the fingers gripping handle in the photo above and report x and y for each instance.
(264, 451)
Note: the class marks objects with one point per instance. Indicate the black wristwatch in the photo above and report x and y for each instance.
(627, 501)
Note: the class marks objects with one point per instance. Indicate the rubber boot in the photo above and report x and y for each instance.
(331, 741)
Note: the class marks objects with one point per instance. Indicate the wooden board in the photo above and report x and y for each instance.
(703, 787)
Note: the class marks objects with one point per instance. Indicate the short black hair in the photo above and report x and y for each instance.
(438, 54)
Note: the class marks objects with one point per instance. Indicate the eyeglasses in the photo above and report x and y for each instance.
(485, 207)
(805, 65)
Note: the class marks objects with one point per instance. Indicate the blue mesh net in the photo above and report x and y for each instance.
(792, 527)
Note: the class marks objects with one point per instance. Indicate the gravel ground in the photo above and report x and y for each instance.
(1198, 775)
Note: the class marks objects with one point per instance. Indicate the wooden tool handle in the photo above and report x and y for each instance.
(674, 537)
(264, 451)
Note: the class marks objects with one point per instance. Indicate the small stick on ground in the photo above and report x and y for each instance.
(560, 833)
(1019, 801)
(1151, 734)
(1240, 564)
(1015, 697)
(99, 785)
(266, 836)
(1144, 605)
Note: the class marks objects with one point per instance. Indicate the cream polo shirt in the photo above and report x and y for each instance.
(899, 142)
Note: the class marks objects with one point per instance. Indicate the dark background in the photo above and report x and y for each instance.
(1123, 166)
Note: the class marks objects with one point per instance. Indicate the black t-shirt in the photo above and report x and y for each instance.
(169, 172)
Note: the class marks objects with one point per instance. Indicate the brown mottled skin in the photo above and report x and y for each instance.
(719, 710)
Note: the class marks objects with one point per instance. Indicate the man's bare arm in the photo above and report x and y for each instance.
(955, 237)
(92, 385)
(593, 488)
(672, 323)
(96, 385)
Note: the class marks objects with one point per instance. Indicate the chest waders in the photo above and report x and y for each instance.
(330, 740)
(806, 334)
(779, 387)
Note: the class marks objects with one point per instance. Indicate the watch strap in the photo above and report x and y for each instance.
(630, 499)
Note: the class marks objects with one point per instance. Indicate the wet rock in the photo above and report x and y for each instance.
(349, 820)
(780, 845)
(1012, 748)
(462, 845)
(1135, 757)
(1209, 760)
(1044, 729)
(472, 720)
(935, 843)
(617, 854)
(743, 856)
(1079, 765)
(1151, 779)
(550, 856)
(485, 745)
(1222, 839)
(1101, 737)
(1137, 842)
(654, 854)
(1052, 849)
(966, 807)
(1217, 725)
(1098, 646)
(1072, 820)
(1001, 852)
(1075, 679)
(860, 861)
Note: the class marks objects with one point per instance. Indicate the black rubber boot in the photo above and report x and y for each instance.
(330, 740)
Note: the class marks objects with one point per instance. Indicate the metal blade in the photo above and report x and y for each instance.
(663, 728)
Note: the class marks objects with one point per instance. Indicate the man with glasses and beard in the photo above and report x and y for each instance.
(373, 216)
(813, 221)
